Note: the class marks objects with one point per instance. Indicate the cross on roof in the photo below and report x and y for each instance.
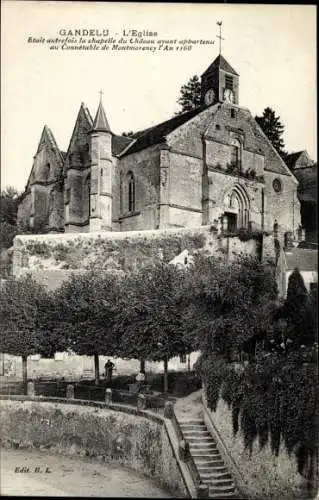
(101, 93)
(219, 23)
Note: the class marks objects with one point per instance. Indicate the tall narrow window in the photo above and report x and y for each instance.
(235, 153)
(68, 195)
(131, 192)
(121, 193)
(47, 171)
(88, 193)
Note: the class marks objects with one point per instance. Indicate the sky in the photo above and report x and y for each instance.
(272, 47)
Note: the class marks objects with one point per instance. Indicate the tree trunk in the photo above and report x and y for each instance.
(165, 376)
(24, 370)
(96, 369)
(142, 365)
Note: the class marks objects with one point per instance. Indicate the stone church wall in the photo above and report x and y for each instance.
(187, 139)
(145, 167)
(283, 206)
(185, 190)
(24, 209)
(41, 205)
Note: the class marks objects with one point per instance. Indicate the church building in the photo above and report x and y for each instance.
(209, 166)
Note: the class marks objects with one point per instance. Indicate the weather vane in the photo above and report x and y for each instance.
(101, 93)
(219, 23)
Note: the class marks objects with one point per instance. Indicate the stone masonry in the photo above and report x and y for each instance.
(209, 166)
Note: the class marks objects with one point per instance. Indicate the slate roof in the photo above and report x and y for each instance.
(119, 143)
(292, 158)
(155, 135)
(304, 259)
(220, 63)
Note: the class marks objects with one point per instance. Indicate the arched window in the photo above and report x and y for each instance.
(235, 153)
(131, 192)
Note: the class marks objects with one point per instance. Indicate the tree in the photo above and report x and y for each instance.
(299, 311)
(273, 129)
(234, 303)
(152, 321)
(9, 205)
(190, 95)
(86, 308)
(20, 318)
(273, 397)
(9, 202)
(128, 134)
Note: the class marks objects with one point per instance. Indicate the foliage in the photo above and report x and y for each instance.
(84, 314)
(128, 134)
(152, 321)
(190, 95)
(273, 395)
(234, 303)
(9, 201)
(7, 234)
(19, 318)
(114, 254)
(299, 310)
(273, 129)
(21, 308)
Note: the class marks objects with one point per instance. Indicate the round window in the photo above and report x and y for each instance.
(277, 185)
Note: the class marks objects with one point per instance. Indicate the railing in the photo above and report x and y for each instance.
(85, 391)
(189, 459)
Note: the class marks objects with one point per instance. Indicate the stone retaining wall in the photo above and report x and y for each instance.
(266, 476)
(129, 437)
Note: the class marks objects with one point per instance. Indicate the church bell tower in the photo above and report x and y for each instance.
(220, 82)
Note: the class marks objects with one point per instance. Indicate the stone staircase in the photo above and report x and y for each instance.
(212, 470)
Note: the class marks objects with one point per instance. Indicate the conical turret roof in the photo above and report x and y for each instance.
(100, 123)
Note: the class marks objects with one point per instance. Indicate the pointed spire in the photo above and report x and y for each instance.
(100, 122)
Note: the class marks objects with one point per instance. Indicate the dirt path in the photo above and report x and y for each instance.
(70, 476)
(190, 406)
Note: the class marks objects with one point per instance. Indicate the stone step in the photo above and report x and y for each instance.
(211, 467)
(198, 443)
(224, 496)
(194, 426)
(206, 457)
(204, 440)
(221, 473)
(215, 489)
(196, 433)
(191, 422)
(217, 463)
(212, 481)
(208, 448)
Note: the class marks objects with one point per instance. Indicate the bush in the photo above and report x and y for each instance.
(179, 383)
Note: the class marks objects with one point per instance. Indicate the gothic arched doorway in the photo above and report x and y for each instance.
(237, 207)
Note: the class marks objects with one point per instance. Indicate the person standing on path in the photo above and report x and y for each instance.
(108, 367)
